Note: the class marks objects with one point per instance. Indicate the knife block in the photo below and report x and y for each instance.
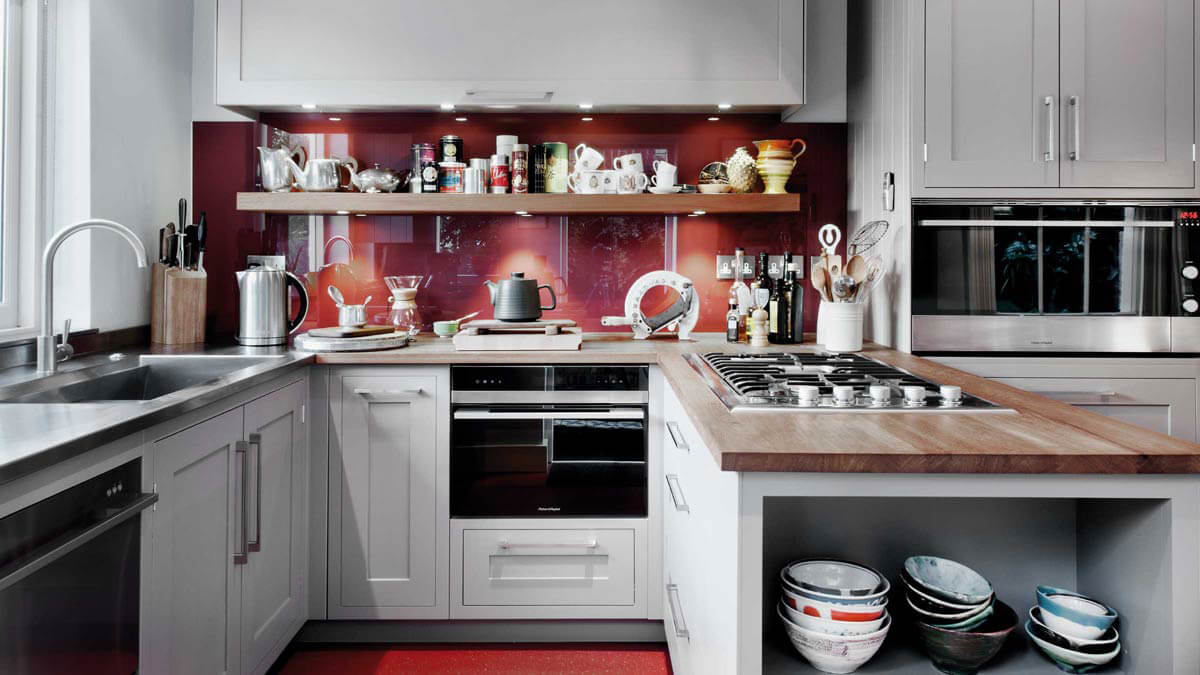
(178, 301)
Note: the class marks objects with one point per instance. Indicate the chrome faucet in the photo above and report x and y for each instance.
(49, 354)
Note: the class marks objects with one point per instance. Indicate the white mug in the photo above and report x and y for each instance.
(660, 166)
(664, 174)
(631, 182)
(587, 159)
(630, 162)
(587, 182)
(611, 181)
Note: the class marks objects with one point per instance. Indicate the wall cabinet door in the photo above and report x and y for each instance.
(991, 88)
(273, 579)
(1164, 405)
(527, 52)
(1128, 93)
(385, 508)
(195, 589)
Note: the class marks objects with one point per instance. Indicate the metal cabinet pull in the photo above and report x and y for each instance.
(386, 395)
(509, 545)
(1074, 103)
(618, 414)
(676, 493)
(681, 629)
(57, 548)
(677, 436)
(1050, 124)
(255, 545)
(239, 540)
(1079, 397)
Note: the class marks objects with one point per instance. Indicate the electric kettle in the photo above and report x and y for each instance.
(263, 306)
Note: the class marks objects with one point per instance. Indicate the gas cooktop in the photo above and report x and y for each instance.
(825, 382)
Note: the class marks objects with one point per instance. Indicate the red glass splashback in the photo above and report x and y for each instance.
(590, 261)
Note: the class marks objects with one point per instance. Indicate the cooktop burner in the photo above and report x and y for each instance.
(825, 382)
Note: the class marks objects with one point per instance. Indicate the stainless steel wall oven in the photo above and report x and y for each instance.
(543, 441)
(1111, 277)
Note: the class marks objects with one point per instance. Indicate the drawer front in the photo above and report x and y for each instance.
(583, 567)
(1164, 405)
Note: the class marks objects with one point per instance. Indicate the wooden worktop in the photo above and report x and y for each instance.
(1042, 436)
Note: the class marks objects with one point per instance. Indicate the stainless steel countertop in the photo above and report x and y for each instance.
(34, 436)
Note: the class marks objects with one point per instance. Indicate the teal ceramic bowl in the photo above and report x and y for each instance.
(445, 328)
(948, 580)
(1073, 615)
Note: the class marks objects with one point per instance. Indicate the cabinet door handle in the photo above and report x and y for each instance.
(386, 395)
(677, 436)
(681, 629)
(239, 539)
(255, 545)
(1075, 149)
(1048, 156)
(676, 493)
(509, 545)
(1079, 397)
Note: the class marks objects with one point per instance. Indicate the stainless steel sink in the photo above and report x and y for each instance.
(148, 377)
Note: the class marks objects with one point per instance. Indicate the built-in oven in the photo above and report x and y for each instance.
(538, 441)
(1055, 277)
(69, 578)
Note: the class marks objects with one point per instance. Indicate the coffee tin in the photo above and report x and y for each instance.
(473, 183)
(452, 148)
(537, 168)
(556, 167)
(424, 156)
(484, 165)
(450, 178)
(499, 166)
(520, 168)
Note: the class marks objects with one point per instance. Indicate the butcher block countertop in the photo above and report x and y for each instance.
(1041, 436)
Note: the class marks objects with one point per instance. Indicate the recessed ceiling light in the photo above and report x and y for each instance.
(335, 119)
(521, 213)
(501, 106)
(447, 106)
(361, 215)
(586, 119)
(309, 106)
(585, 106)
(713, 119)
(343, 213)
(460, 119)
(724, 106)
(699, 212)
(526, 215)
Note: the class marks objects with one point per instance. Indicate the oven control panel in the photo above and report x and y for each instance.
(1187, 260)
(550, 378)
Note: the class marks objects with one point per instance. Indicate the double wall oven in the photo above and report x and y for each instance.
(1112, 277)
(549, 441)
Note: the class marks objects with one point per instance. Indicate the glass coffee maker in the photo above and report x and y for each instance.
(404, 315)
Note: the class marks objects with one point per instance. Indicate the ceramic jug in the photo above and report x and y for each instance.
(518, 299)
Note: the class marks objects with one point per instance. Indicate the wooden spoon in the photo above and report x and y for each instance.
(857, 268)
(820, 281)
(461, 319)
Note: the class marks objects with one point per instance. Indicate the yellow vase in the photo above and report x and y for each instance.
(775, 162)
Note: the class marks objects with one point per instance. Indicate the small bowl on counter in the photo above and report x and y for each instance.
(445, 328)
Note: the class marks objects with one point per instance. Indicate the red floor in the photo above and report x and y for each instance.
(465, 659)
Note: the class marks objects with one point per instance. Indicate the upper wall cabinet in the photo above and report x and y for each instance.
(1092, 94)
(550, 55)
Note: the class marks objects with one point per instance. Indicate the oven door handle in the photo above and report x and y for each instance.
(389, 395)
(62, 546)
(630, 414)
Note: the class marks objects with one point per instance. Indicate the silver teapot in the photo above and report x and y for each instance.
(273, 162)
(377, 179)
(518, 299)
(321, 174)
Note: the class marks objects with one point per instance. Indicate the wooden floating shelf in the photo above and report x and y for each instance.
(448, 204)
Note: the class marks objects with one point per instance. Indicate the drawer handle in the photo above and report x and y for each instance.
(1079, 397)
(387, 395)
(508, 545)
(677, 436)
(676, 493)
(681, 629)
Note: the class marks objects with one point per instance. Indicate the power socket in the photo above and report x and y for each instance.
(724, 267)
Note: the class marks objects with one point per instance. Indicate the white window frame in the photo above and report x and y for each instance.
(29, 30)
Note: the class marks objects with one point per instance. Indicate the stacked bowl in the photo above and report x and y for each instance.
(834, 612)
(960, 624)
(1075, 631)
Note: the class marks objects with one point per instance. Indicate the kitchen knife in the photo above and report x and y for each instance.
(169, 257)
(183, 221)
(162, 244)
(201, 238)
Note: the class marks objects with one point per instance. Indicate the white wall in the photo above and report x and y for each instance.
(879, 116)
(122, 147)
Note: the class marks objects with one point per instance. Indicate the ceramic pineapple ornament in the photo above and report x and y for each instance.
(742, 171)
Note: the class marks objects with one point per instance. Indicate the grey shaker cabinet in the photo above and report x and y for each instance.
(1128, 92)
(389, 493)
(229, 539)
(1058, 94)
(991, 88)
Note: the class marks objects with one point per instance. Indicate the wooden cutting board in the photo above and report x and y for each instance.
(493, 326)
(530, 338)
(344, 331)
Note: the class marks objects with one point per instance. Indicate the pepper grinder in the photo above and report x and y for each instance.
(759, 319)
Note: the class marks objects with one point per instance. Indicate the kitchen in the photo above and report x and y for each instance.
(760, 337)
